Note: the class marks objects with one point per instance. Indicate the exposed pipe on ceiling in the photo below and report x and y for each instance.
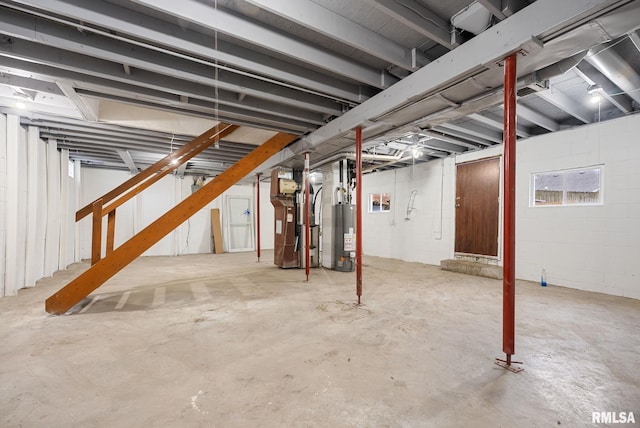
(352, 156)
(386, 164)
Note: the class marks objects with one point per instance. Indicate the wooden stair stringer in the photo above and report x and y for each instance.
(71, 294)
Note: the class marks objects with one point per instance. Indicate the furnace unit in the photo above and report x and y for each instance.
(288, 203)
(283, 199)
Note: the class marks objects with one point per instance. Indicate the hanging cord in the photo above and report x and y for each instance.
(185, 250)
(173, 161)
(216, 105)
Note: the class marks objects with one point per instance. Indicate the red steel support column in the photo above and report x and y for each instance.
(258, 213)
(359, 213)
(307, 217)
(509, 232)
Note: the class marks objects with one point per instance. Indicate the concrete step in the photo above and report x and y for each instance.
(472, 268)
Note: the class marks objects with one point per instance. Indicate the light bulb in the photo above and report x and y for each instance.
(21, 105)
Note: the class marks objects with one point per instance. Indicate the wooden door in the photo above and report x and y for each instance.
(477, 207)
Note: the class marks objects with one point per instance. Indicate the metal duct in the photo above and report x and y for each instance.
(616, 69)
(352, 156)
(386, 164)
(562, 35)
(560, 67)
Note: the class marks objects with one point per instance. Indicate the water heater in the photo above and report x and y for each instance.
(344, 237)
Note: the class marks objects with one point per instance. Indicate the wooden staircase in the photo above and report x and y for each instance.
(116, 259)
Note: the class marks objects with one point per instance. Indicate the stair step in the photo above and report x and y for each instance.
(472, 268)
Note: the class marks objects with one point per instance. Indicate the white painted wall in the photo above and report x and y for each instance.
(52, 232)
(93, 184)
(594, 248)
(192, 237)
(38, 201)
(21, 208)
(33, 269)
(42, 207)
(31, 230)
(11, 259)
(3, 200)
(426, 234)
(267, 217)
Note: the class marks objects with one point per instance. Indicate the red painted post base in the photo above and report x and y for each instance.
(506, 364)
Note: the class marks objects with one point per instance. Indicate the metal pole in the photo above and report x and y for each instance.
(359, 213)
(307, 217)
(509, 232)
(258, 213)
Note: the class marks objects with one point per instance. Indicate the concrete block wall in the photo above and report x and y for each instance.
(594, 248)
(424, 235)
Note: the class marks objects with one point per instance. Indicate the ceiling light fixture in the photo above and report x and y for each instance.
(591, 89)
(21, 105)
(595, 92)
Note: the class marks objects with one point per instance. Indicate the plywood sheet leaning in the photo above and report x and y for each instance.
(216, 231)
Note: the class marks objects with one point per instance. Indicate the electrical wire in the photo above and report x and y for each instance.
(186, 247)
(216, 93)
(605, 49)
(317, 193)
(171, 148)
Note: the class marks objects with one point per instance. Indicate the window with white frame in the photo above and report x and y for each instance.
(581, 186)
(379, 202)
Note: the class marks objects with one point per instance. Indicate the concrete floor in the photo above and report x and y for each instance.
(223, 341)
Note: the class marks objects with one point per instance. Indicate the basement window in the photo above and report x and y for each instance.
(567, 187)
(379, 202)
